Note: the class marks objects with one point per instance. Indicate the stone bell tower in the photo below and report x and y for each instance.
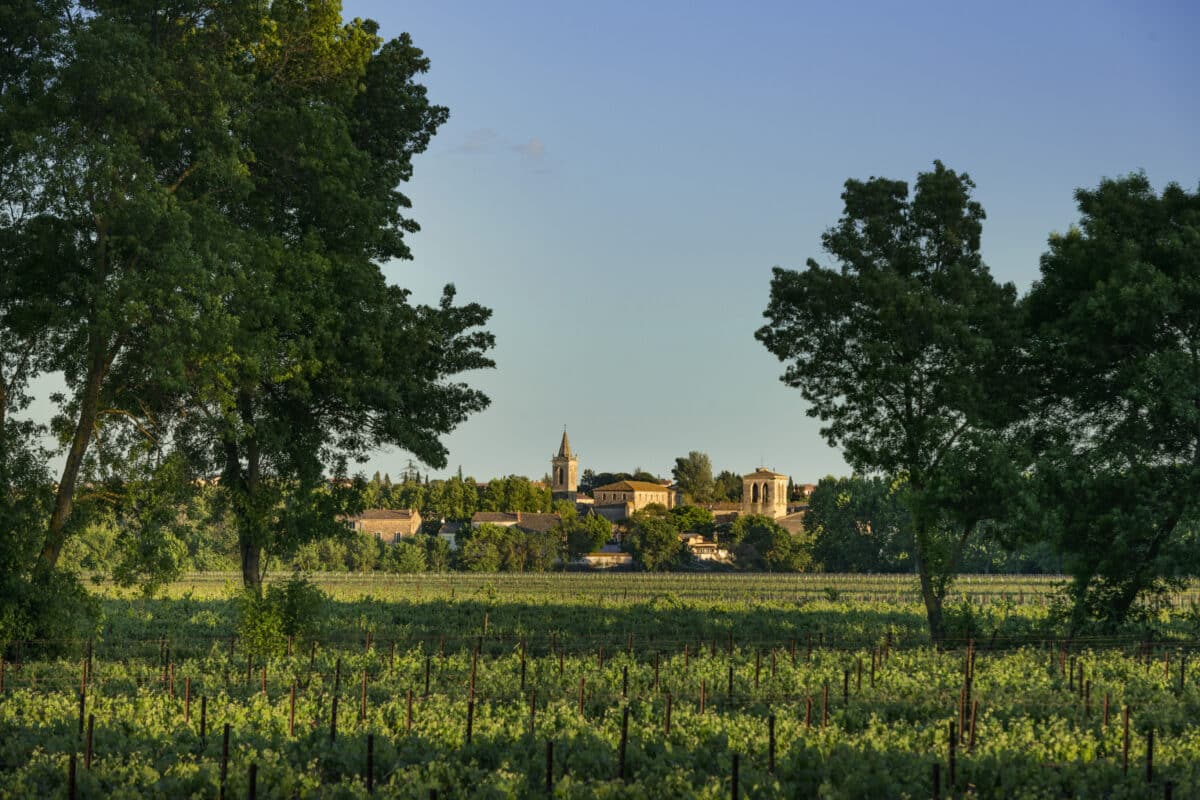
(564, 472)
(764, 492)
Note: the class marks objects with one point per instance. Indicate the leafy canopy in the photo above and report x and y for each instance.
(902, 349)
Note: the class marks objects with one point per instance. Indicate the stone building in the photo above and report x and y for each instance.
(564, 472)
(765, 492)
(528, 521)
(387, 524)
(617, 501)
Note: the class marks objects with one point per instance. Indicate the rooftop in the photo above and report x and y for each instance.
(632, 486)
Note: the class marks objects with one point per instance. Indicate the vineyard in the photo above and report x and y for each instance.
(629, 686)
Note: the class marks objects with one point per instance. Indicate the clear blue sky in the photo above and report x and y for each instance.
(617, 179)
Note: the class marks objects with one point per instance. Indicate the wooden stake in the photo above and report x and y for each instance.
(1125, 741)
(953, 755)
(224, 760)
(362, 707)
(974, 713)
(624, 742)
(1150, 756)
(370, 763)
(771, 744)
(87, 747)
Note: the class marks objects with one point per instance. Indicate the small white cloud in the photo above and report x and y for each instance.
(534, 148)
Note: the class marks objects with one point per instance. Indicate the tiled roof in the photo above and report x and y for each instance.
(537, 522)
(631, 486)
(386, 513)
(763, 472)
(525, 520)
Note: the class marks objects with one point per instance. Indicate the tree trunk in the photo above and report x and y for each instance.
(933, 606)
(251, 565)
(85, 426)
(243, 484)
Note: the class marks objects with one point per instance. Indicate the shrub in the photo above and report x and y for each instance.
(295, 608)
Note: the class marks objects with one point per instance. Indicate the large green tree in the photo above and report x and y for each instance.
(759, 543)
(694, 474)
(118, 160)
(324, 360)
(197, 201)
(1114, 346)
(653, 539)
(859, 525)
(901, 349)
(116, 167)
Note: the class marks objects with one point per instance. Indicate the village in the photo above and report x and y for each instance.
(764, 493)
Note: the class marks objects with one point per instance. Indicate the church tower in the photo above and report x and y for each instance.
(764, 492)
(564, 472)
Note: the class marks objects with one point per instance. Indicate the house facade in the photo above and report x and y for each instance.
(387, 524)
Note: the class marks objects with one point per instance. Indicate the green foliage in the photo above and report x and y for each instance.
(1114, 349)
(480, 551)
(653, 540)
(759, 543)
(438, 555)
(859, 525)
(585, 534)
(692, 519)
(294, 608)
(727, 487)
(1034, 738)
(904, 351)
(694, 475)
(514, 493)
(49, 611)
(453, 499)
(363, 552)
(404, 557)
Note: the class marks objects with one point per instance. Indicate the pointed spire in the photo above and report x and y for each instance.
(564, 449)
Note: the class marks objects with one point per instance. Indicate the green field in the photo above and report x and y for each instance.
(462, 683)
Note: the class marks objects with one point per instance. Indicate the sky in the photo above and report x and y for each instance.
(616, 181)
